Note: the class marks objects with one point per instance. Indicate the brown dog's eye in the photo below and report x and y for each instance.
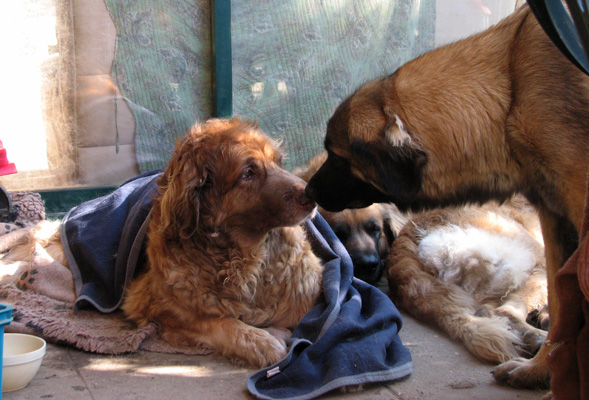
(248, 173)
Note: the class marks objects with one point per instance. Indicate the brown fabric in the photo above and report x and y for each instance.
(569, 360)
(27, 209)
(42, 295)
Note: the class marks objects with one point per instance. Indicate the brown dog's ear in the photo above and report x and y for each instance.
(180, 190)
(395, 132)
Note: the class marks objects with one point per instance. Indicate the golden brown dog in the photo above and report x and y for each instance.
(225, 252)
(498, 113)
(228, 263)
(477, 272)
(366, 233)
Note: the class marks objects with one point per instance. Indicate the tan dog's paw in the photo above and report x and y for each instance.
(25, 281)
(259, 348)
(522, 373)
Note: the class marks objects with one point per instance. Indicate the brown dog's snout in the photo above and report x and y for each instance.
(303, 199)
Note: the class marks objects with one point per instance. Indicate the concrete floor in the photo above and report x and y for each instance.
(443, 370)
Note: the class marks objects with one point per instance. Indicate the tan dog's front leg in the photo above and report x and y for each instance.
(231, 338)
(534, 373)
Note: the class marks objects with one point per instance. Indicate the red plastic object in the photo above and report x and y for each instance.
(6, 167)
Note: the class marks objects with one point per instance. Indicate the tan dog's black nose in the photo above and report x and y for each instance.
(309, 191)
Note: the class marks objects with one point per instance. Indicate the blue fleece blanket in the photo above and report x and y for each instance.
(349, 337)
(103, 241)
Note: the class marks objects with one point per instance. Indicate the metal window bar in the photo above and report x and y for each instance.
(222, 71)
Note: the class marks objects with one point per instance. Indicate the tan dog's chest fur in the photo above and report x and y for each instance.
(475, 272)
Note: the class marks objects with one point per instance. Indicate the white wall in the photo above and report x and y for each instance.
(456, 19)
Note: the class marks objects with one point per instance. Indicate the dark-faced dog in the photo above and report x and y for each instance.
(498, 113)
(366, 233)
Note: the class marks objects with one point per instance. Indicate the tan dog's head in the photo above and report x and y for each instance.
(371, 155)
(227, 176)
(367, 236)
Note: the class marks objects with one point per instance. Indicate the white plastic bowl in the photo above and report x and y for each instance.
(22, 358)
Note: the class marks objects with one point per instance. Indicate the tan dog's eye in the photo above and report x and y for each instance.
(341, 231)
(373, 227)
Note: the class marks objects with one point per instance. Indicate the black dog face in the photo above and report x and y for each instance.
(386, 175)
(371, 156)
(336, 188)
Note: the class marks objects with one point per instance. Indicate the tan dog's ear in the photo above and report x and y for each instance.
(387, 227)
(180, 188)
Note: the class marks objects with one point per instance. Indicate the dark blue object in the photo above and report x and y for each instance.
(103, 241)
(350, 336)
(568, 30)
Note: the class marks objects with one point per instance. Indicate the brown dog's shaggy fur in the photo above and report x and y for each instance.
(366, 233)
(228, 263)
(477, 273)
(498, 113)
(226, 255)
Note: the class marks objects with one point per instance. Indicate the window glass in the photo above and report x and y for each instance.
(98, 91)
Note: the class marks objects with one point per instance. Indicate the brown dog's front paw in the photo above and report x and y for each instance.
(275, 350)
(523, 374)
(280, 333)
(260, 349)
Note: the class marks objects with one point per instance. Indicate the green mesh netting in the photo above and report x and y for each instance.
(293, 63)
(163, 68)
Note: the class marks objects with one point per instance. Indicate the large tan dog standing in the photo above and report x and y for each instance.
(498, 113)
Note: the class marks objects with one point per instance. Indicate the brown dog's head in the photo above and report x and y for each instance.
(227, 176)
(367, 235)
(372, 157)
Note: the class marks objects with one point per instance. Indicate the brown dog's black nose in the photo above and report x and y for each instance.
(304, 200)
